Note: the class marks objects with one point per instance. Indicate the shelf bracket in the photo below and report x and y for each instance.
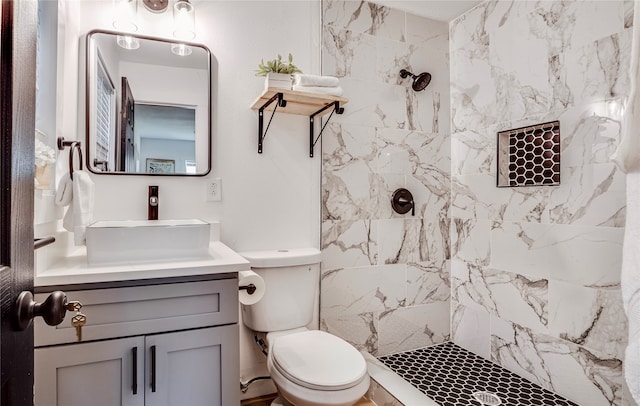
(262, 134)
(336, 109)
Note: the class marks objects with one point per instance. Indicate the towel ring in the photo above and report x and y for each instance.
(74, 145)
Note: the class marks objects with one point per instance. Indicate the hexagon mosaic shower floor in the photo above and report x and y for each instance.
(451, 375)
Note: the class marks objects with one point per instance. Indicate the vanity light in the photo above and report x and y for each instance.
(128, 42)
(124, 15)
(156, 6)
(181, 49)
(184, 20)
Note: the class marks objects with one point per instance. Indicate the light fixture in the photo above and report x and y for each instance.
(181, 49)
(124, 15)
(128, 42)
(156, 6)
(184, 20)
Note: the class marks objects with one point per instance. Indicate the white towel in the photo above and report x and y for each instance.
(304, 79)
(331, 91)
(627, 157)
(64, 192)
(80, 212)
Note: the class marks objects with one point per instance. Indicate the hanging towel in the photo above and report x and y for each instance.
(303, 79)
(80, 212)
(331, 91)
(64, 192)
(627, 157)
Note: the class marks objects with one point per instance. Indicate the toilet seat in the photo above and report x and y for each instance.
(318, 360)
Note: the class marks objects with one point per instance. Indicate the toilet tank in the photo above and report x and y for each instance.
(291, 285)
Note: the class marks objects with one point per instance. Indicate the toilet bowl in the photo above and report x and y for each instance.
(308, 367)
(315, 368)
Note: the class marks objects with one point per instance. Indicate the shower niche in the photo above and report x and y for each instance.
(529, 156)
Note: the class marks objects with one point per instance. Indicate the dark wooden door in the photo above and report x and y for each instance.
(127, 118)
(18, 21)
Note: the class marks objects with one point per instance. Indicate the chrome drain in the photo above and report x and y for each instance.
(487, 398)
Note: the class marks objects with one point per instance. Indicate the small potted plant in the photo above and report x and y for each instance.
(277, 72)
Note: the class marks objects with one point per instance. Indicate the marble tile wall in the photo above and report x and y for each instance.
(385, 279)
(535, 271)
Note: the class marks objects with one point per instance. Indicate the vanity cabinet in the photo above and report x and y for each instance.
(182, 368)
(163, 344)
(98, 373)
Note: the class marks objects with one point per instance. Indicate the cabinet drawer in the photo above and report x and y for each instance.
(122, 312)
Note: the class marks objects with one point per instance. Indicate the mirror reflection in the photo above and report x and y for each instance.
(148, 106)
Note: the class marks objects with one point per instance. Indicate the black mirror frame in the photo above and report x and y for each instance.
(89, 164)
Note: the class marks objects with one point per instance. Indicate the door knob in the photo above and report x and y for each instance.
(52, 310)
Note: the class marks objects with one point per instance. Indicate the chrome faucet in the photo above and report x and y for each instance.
(152, 209)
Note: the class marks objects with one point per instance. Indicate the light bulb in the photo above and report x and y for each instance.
(128, 42)
(124, 15)
(184, 20)
(181, 49)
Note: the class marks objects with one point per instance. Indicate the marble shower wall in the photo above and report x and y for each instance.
(385, 278)
(535, 271)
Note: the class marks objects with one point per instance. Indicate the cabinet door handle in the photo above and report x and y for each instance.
(134, 356)
(153, 368)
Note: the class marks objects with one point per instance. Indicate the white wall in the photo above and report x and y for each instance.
(270, 200)
(158, 148)
(45, 68)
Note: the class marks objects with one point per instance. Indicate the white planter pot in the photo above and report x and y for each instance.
(278, 80)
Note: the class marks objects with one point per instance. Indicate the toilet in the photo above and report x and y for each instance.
(309, 367)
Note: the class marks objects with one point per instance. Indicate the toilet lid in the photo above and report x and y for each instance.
(318, 360)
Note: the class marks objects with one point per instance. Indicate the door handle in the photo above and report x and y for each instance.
(52, 310)
(153, 368)
(43, 242)
(134, 383)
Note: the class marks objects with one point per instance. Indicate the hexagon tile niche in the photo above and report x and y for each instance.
(529, 156)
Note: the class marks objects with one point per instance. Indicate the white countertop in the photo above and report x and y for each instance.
(75, 270)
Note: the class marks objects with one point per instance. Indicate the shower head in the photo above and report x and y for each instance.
(420, 82)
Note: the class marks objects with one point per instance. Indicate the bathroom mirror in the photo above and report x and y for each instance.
(148, 106)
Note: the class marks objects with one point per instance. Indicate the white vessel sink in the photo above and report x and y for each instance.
(136, 241)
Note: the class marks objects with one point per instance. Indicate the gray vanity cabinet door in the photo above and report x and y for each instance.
(194, 367)
(98, 374)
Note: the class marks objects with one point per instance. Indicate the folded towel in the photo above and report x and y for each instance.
(64, 191)
(332, 91)
(315, 80)
(80, 212)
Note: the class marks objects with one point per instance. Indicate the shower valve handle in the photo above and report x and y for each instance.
(402, 202)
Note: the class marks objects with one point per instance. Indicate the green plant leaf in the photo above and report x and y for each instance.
(277, 66)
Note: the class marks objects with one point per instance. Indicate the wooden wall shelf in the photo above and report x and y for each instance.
(299, 103)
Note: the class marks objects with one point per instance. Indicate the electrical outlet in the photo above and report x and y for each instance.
(214, 190)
